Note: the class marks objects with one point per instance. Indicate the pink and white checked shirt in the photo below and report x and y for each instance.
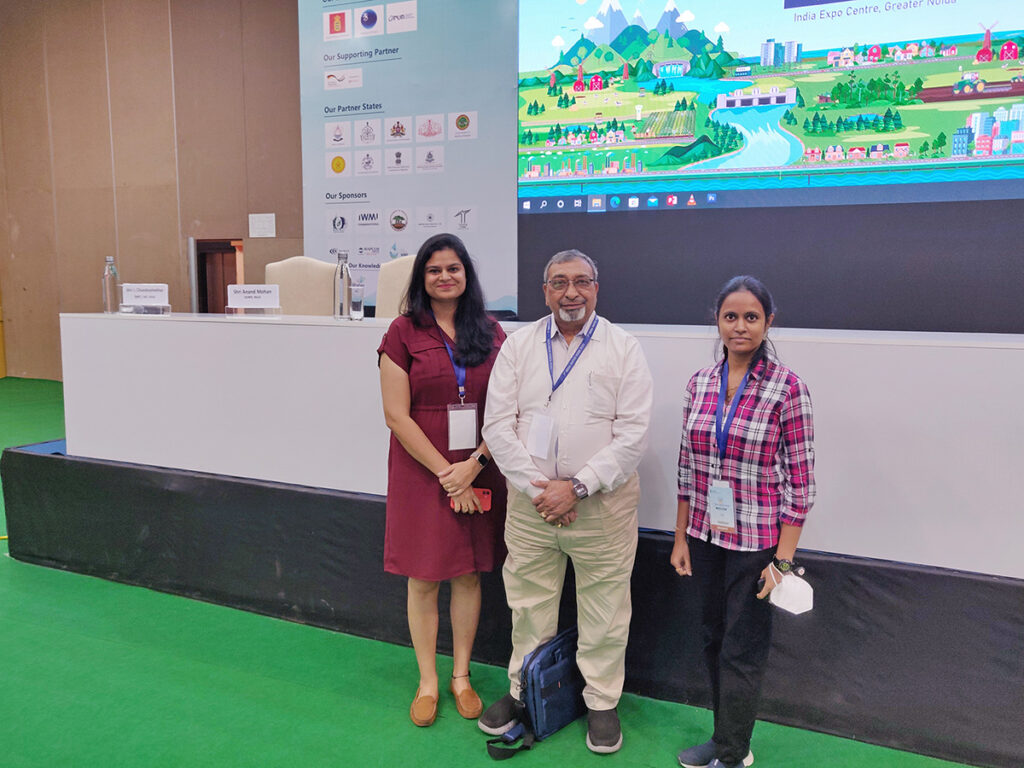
(769, 458)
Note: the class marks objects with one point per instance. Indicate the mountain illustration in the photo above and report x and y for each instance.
(676, 29)
(701, 149)
(631, 42)
(612, 21)
(576, 53)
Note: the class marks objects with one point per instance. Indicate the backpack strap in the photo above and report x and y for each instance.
(501, 748)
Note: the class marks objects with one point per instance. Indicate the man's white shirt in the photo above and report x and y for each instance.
(601, 412)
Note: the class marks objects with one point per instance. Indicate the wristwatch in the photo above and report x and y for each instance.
(579, 488)
(484, 461)
(783, 566)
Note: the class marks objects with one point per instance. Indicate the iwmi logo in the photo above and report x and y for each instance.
(368, 219)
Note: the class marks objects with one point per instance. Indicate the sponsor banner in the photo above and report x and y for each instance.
(406, 134)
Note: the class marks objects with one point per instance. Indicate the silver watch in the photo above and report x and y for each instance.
(579, 488)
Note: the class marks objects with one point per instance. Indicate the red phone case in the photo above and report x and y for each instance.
(484, 494)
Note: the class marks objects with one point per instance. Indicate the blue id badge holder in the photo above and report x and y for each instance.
(721, 504)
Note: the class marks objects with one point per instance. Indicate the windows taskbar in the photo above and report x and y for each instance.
(1004, 189)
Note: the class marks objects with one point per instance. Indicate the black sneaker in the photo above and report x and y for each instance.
(500, 717)
(604, 734)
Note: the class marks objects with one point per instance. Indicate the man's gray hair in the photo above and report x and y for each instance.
(570, 255)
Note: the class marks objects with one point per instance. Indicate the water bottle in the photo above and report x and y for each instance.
(343, 307)
(111, 287)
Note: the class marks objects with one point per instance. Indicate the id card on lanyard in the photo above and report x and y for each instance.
(721, 501)
(462, 419)
(538, 441)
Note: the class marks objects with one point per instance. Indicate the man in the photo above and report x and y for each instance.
(568, 406)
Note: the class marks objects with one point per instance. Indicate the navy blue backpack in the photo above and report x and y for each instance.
(551, 695)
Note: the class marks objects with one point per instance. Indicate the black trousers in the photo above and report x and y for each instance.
(737, 635)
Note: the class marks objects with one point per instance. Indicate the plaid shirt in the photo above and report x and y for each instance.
(769, 458)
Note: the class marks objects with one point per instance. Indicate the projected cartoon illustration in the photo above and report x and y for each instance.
(763, 88)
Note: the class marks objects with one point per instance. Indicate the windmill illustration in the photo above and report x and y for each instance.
(985, 52)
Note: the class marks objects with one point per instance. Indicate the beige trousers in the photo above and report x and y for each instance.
(602, 544)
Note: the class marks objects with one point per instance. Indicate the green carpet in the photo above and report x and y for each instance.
(98, 674)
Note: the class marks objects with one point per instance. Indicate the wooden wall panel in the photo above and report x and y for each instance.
(273, 158)
(80, 130)
(260, 251)
(127, 126)
(143, 135)
(210, 113)
(5, 243)
(31, 290)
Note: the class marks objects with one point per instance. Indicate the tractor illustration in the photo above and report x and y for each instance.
(970, 82)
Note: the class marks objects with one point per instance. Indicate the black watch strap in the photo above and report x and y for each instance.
(783, 565)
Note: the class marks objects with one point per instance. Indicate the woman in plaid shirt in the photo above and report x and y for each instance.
(746, 482)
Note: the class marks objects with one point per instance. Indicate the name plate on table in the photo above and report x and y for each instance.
(254, 297)
(145, 298)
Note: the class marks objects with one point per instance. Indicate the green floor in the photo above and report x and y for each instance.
(97, 674)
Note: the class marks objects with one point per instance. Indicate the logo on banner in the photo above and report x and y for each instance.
(461, 217)
(338, 134)
(429, 126)
(368, 218)
(350, 78)
(398, 220)
(369, 21)
(402, 17)
(338, 164)
(429, 218)
(398, 131)
(336, 26)
(338, 225)
(369, 252)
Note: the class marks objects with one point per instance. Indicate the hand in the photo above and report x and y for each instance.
(772, 578)
(467, 501)
(555, 501)
(680, 558)
(459, 476)
(567, 519)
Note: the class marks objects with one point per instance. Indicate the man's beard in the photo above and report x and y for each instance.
(571, 315)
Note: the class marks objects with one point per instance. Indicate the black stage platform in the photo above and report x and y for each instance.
(921, 659)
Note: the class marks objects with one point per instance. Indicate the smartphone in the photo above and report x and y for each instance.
(484, 494)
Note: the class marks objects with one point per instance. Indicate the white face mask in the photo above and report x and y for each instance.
(793, 594)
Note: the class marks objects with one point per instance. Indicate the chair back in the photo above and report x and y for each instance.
(307, 286)
(392, 282)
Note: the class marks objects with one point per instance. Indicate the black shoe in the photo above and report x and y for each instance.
(604, 734)
(500, 717)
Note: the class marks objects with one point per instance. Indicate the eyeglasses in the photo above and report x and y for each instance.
(560, 284)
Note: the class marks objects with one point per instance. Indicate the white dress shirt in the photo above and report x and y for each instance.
(601, 410)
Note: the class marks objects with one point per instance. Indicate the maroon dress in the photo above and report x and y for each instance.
(424, 537)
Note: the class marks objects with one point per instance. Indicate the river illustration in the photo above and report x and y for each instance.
(764, 144)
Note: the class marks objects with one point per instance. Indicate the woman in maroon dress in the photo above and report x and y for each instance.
(435, 361)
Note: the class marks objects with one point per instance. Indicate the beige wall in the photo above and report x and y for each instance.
(126, 127)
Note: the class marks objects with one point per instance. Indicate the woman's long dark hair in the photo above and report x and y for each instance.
(474, 329)
(760, 291)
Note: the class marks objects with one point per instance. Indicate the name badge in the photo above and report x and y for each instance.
(721, 507)
(538, 441)
(462, 427)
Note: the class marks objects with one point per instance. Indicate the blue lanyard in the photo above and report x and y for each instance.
(572, 360)
(460, 370)
(722, 432)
